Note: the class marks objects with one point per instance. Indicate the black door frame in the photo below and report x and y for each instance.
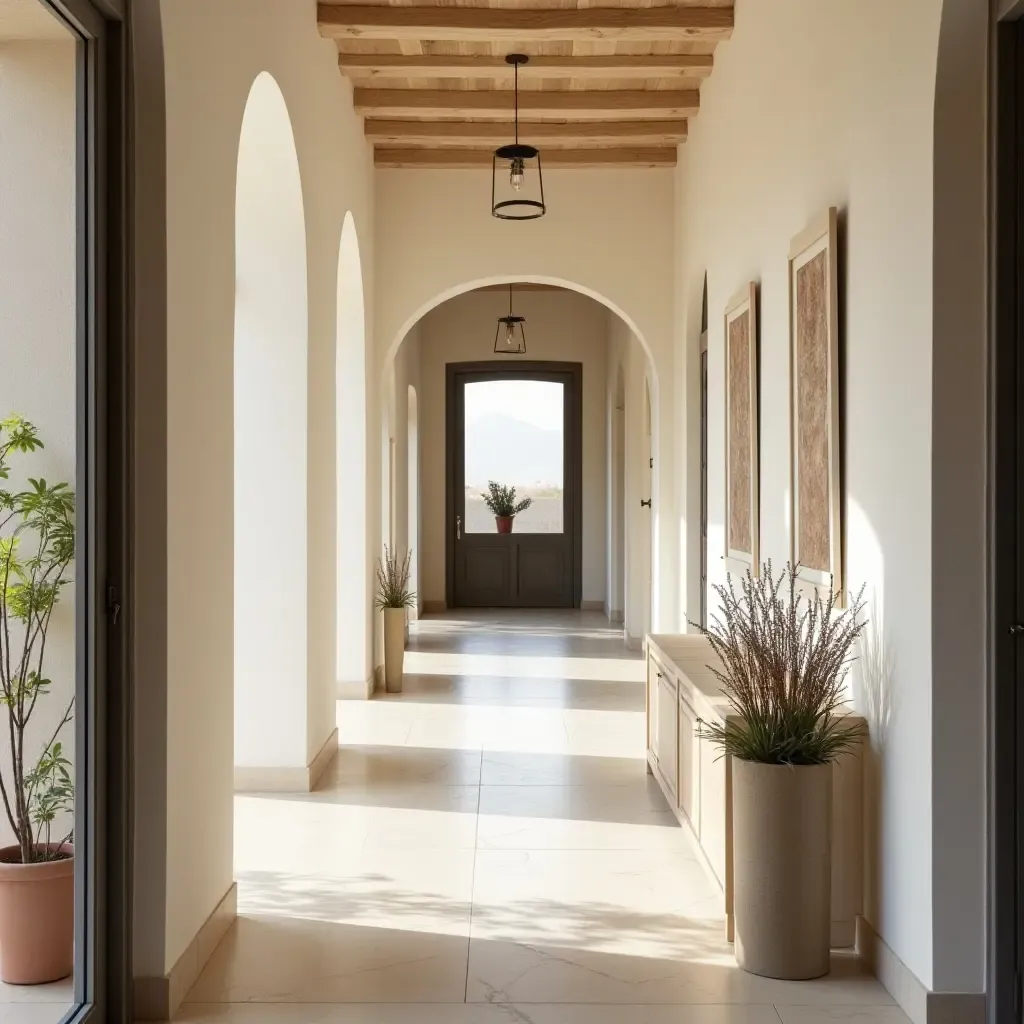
(1006, 529)
(509, 370)
(103, 827)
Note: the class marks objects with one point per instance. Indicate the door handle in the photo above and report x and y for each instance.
(458, 527)
(645, 504)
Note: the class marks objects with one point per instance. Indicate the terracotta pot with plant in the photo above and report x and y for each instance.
(394, 598)
(784, 660)
(37, 898)
(501, 500)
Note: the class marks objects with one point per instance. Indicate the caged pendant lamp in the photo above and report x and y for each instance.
(519, 162)
(510, 337)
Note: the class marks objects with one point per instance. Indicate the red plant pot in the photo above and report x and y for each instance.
(504, 523)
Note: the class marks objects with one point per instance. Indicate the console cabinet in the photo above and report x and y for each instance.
(683, 693)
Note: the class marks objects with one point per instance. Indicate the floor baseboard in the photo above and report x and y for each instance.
(158, 999)
(287, 780)
(355, 690)
(434, 607)
(920, 1004)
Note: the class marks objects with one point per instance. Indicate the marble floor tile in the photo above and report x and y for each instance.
(539, 817)
(57, 993)
(487, 848)
(285, 959)
(35, 1012)
(362, 768)
(472, 1013)
(842, 1015)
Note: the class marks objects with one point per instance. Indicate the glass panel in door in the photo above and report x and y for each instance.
(515, 438)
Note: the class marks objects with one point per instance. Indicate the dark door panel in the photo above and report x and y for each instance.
(539, 564)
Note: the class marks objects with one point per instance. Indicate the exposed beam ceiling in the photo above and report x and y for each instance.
(609, 83)
(385, 156)
(498, 103)
(550, 134)
(517, 25)
(627, 66)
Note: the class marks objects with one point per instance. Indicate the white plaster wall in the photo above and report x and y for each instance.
(790, 124)
(640, 525)
(38, 310)
(271, 450)
(608, 234)
(561, 326)
(212, 54)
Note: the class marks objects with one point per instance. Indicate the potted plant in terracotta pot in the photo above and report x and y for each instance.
(37, 547)
(502, 502)
(394, 598)
(784, 660)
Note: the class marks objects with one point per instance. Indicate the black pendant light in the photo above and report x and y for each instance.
(518, 161)
(510, 337)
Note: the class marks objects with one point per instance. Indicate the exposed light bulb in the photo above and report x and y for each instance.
(510, 335)
(517, 174)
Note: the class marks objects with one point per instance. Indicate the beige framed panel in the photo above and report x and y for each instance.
(816, 510)
(742, 462)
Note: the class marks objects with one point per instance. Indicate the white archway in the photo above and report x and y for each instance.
(354, 623)
(413, 469)
(270, 436)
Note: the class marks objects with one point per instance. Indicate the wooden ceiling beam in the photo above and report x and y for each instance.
(632, 156)
(564, 104)
(548, 133)
(393, 65)
(503, 25)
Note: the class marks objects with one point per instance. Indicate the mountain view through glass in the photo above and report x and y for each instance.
(515, 437)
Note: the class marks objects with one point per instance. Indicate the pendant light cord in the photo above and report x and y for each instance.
(517, 103)
(510, 301)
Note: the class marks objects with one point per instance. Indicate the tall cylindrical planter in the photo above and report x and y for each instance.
(782, 883)
(394, 649)
(37, 918)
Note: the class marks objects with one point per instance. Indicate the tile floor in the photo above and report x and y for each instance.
(487, 847)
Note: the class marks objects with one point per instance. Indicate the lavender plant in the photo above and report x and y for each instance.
(784, 661)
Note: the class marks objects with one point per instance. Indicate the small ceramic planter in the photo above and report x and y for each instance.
(504, 523)
(37, 918)
(782, 850)
(394, 649)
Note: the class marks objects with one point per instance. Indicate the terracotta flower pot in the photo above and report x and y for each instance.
(394, 649)
(782, 856)
(37, 918)
(504, 523)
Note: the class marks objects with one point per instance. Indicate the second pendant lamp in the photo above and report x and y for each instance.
(510, 337)
(525, 189)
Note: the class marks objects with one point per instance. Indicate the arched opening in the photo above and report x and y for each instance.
(649, 528)
(270, 438)
(354, 670)
(413, 469)
(617, 519)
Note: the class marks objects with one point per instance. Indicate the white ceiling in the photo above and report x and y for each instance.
(29, 19)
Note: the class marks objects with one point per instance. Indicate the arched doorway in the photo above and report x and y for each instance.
(270, 437)
(414, 493)
(354, 669)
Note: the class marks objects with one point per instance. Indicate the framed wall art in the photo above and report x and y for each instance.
(816, 512)
(742, 462)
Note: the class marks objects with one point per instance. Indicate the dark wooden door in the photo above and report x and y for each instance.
(496, 415)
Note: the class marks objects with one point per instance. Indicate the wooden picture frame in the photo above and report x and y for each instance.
(815, 444)
(742, 454)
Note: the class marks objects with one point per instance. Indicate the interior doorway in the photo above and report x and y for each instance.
(515, 425)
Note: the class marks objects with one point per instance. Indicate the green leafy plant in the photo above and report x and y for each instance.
(37, 548)
(784, 661)
(502, 502)
(393, 581)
